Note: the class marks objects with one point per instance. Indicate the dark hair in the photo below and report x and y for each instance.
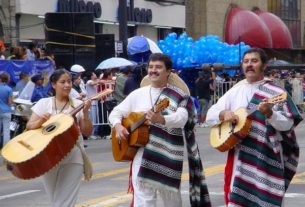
(55, 77)
(23, 75)
(31, 46)
(57, 74)
(75, 76)
(262, 54)
(163, 58)
(5, 77)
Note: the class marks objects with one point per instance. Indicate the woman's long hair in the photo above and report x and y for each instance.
(56, 76)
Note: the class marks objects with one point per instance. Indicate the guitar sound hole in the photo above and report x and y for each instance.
(49, 128)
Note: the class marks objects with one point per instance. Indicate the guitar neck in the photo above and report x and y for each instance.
(274, 100)
(96, 97)
(77, 109)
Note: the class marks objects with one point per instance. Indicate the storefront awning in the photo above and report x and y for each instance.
(281, 37)
(245, 26)
(257, 29)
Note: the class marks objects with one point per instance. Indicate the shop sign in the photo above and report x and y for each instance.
(80, 6)
(139, 15)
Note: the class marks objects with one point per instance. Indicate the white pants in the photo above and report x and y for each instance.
(62, 184)
(148, 197)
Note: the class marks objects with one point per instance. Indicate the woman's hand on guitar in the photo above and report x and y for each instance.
(228, 116)
(42, 119)
(120, 131)
(87, 105)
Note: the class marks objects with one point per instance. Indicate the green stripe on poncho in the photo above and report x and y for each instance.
(263, 171)
(162, 163)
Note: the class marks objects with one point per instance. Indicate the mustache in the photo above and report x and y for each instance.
(249, 68)
(153, 73)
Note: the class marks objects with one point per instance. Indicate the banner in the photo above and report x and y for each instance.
(15, 67)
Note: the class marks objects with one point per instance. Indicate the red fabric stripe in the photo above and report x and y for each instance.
(228, 174)
(130, 185)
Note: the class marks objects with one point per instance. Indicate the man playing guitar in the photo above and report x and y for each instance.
(259, 168)
(157, 167)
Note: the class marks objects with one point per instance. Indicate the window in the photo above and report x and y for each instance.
(290, 12)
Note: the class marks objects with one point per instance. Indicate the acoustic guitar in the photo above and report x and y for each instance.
(137, 126)
(226, 135)
(35, 152)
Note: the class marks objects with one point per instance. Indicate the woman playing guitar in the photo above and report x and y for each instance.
(63, 181)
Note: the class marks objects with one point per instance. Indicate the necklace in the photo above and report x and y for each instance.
(61, 108)
(151, 99)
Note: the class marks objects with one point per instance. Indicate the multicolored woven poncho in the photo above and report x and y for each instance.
(162, 162)
(265, 164)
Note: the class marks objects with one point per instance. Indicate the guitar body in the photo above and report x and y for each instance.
(35, 152)
(127, 148)
(225, 136)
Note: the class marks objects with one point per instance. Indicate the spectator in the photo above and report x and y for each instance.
(120, 81)
(297, 90)
(39, 90)
(91, 87)
(2, 50)
(78, 69)
(106, 81)
(134, 79)
(48, 55)
(204, 88)
(23, 80)
(76, 91)
(6, 99)
(31, 51)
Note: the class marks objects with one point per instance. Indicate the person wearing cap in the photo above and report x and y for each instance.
(2, 50)
(78, 69)
(157, 167)
(39, 90)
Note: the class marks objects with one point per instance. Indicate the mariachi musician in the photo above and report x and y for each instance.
(157, 167)
(258, 169)
(62, 183)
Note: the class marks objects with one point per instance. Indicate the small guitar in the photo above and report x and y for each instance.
(226, 135)
(37, 151)
(137, 126)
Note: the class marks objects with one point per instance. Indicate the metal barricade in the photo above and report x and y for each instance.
(100, 110)
(221, 88)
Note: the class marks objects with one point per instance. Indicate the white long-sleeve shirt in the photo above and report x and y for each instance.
(142, 100)
(240, 96)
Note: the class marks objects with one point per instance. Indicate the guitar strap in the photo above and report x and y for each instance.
(88, 169)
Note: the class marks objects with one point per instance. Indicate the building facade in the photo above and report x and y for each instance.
(209, 16)
(22, 20)
(25, 18)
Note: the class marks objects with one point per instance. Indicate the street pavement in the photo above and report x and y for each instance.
(108, 186)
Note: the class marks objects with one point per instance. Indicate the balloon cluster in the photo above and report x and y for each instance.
(187, 53)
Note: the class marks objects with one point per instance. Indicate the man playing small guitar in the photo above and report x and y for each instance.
(260, 167)
(157, 167)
